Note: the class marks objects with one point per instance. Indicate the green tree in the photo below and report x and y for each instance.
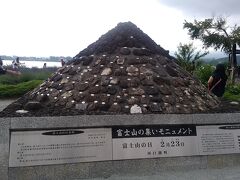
(214, 32)
(187, 57)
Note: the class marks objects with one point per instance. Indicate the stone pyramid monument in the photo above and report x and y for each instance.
(124, 72)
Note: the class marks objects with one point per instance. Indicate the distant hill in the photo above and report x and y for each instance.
(221, 60)
(25, 58)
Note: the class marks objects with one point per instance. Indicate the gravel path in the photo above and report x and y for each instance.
(5, 102)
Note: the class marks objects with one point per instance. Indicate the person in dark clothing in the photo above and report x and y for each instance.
(217, 82)
(62, 62)
(2, 70)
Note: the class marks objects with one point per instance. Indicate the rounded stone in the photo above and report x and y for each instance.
(106, 72)
(141, 52)
(125, 51)
(33, 105)
(86, 60)
(132, 71)
(171, 71)
(135, 109)
(115, 108)
(120, 61)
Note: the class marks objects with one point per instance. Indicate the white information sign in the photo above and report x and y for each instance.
(154, 141)
(136, 148)
(29, 148)
(220, 139)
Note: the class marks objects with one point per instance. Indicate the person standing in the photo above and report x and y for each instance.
(217, 81)
(62, 62)
(44, 65)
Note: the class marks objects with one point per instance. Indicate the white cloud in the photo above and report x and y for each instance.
(65, 27)
(205, 7)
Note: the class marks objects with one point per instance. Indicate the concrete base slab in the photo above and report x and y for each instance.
(211, 167)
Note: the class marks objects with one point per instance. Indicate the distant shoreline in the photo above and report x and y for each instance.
(33, 63)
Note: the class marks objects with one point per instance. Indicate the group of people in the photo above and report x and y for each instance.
(15, 66)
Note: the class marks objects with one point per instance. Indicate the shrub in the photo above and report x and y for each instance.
(232, 93)
(28, 74)
(204, 72)
(7, 91)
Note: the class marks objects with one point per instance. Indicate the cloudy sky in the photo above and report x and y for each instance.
(65, 27)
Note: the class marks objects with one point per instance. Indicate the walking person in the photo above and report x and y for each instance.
(217, 81)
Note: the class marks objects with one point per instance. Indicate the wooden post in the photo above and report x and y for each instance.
(233, 64)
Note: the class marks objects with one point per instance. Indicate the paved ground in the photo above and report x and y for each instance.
(200, 174)
(5, 102)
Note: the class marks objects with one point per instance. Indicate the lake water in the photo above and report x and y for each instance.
(30, 64)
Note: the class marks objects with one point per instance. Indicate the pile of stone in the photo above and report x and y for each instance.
(124, 72)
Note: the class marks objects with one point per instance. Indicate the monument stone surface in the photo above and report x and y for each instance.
(124, 72)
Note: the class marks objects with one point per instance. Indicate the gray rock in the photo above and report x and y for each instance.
(64, 80)
(33, 105)
(148, 81)
(106, 72)
(86, 60)
(120, 61)
(125, 51)
(165, 90)
(69, 104)
(69, 86)
(135, 109)
(134, 82)
(141, 52)
(114, 81)
(123, 83)
(120, 72)
(156, 107)
(136, 91)
(67, 94)
(115, 108)
(42, 98)
(21, 111)
(95, 90)
(161, 80)
(151, 90)
(172, 72)
(132, 71)
(146, 71)
(57, 77)
(81, 86)
(234, 103)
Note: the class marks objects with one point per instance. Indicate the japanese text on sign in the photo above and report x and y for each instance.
(153, 131)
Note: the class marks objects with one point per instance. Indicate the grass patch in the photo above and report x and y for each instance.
(231, 97)
(28, 74)
(15, 86)
(232, 93)
(11, 91)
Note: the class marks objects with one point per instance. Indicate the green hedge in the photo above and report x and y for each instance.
(10, 80)
(11, 91)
